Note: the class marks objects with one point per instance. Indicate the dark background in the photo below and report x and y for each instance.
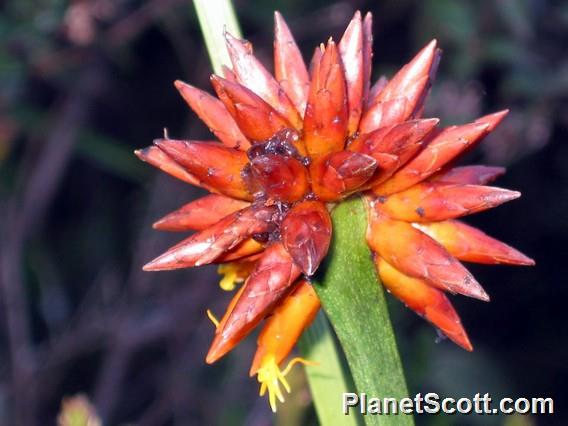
(84, 83)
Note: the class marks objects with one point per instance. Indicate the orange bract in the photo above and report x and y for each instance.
(293, 145)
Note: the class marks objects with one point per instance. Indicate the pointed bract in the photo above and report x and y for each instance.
(434, 201)
(416, 254)
(472, 245)
(158, 158)
(208, 245)
(215, 116)
(411, 83)
(492, 120)
(252, 74)
(418, 68)
(326, 117)
(425, 300)
(288, 320)
(200, 214)
(306, 234)
(257, 120)
(213, 164)
(315, 60)
(367, 55)
(289, 67)
(442, 149)
(351, 52)
(270, 281)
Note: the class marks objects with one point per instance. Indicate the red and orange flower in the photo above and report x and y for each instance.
(293, 145)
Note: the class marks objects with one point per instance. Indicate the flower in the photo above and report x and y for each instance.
(293, 145)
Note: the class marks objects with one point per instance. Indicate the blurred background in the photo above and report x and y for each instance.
(84, 83)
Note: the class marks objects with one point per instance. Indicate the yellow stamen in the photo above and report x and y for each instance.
(213, 318)
(298, 360)
(232, 275)
(270, 377)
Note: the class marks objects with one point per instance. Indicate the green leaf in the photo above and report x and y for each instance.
(216, 16)
(355, 304)
(330, 378)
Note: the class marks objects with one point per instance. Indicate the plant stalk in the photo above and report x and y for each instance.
(355, 304)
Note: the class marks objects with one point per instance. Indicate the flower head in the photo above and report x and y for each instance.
(291, 146)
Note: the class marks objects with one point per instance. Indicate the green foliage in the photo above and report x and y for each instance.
(354, 301)
(216, 16)
(331, 377)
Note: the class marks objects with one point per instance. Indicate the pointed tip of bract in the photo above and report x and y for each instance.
(140, 153)
(160, 142)
(462, 340)
(524, 260)
(427, 56)
(368, 18)
(473, 289)
(279, 20)
(469, 287)
(427, 53)
(214, 78)
(180, 85)
(480, 294)
(217, 350)
(155, 265)
(255, 366)
(187, 91)
(211, 357)
(500, 196)
(280, 25)
(493, 120)
(218, 84)
(356, 19)
(459, 337)
(235, 43)
(353, 30)
(430, 122)
(144, 154)
(159, 225)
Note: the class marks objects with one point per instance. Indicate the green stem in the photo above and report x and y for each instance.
(216, 16)
(355, 304)
(330, 378)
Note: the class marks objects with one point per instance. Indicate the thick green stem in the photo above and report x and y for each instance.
(330, 378)
(215, 17)
(355, 304)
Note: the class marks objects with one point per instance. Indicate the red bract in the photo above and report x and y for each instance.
(292, 146)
